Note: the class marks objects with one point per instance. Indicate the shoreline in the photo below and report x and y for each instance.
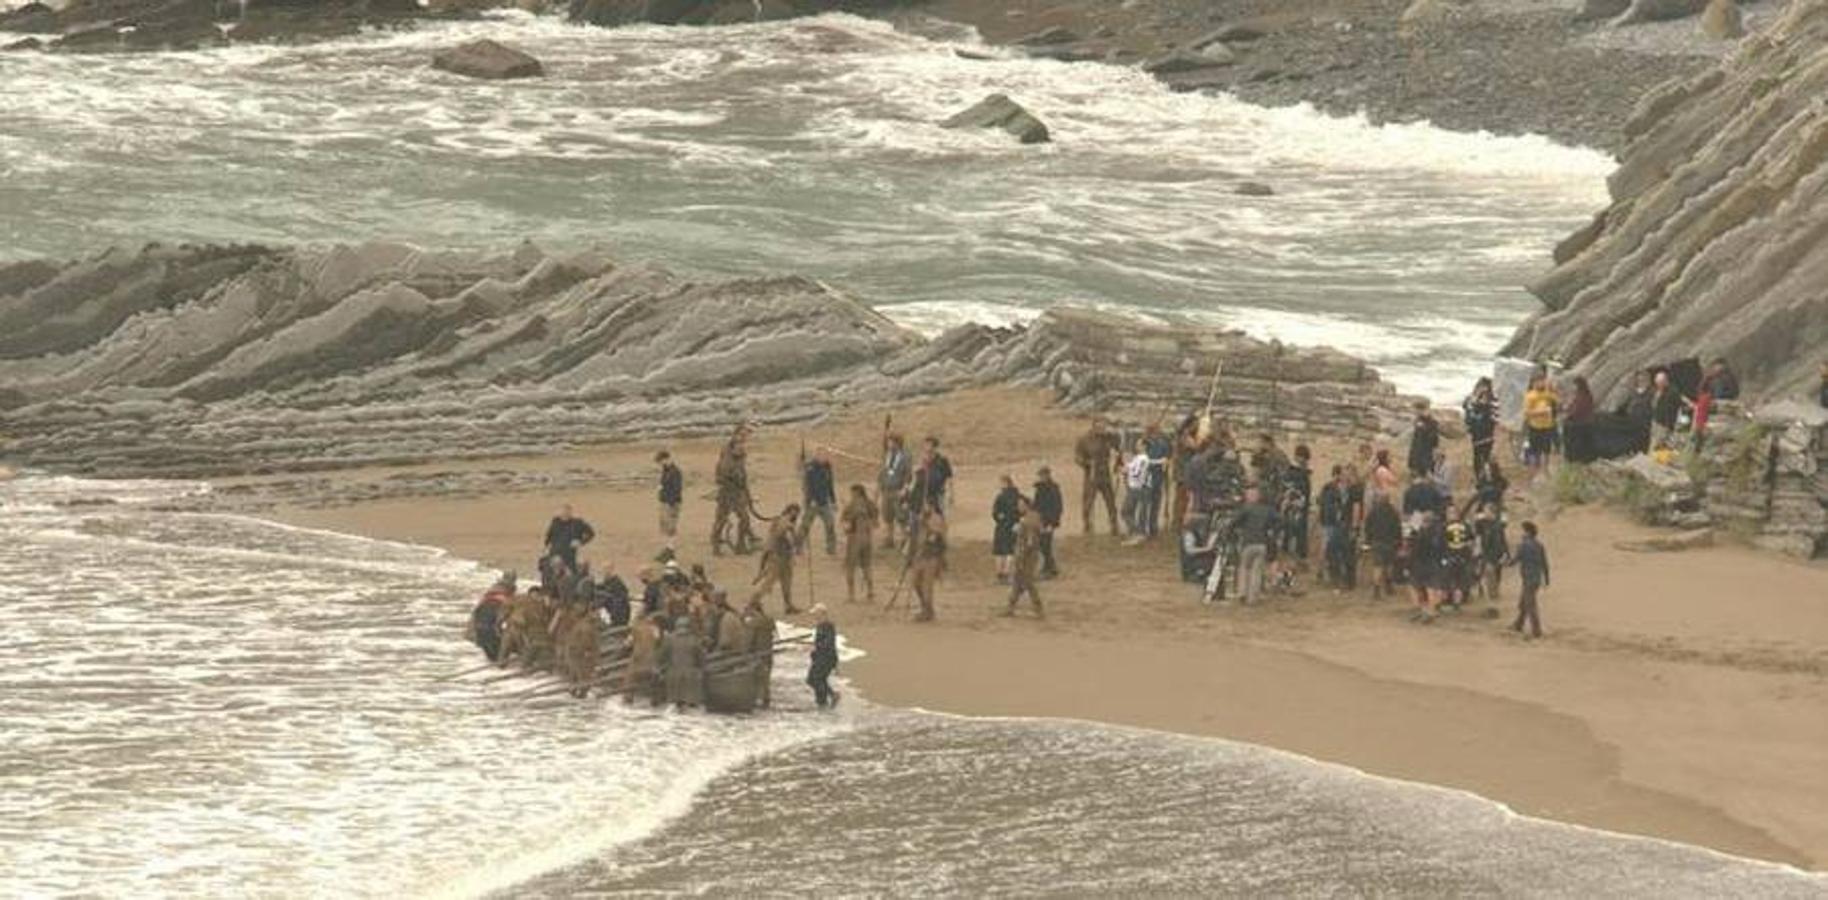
(1610, 725)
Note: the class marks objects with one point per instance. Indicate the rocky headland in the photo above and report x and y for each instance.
(1716, 243)
(212, 360)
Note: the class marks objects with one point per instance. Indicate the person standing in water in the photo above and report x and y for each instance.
(824, 659)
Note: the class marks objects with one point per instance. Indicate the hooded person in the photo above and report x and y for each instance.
(682, 665)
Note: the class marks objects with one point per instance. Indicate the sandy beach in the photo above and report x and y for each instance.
(1677, 695)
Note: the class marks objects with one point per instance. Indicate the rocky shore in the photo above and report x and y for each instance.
(210, 360)
(1713, 245)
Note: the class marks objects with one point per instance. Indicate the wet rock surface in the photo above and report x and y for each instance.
(203, 360)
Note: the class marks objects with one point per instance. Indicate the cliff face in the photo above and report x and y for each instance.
(1717, 240)
(208, 360)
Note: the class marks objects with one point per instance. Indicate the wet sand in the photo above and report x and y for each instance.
(1682, 696)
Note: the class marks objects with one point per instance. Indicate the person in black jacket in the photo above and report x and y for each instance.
(1423, 496)
(1423, 440)
(1532, 561)
(1336, 530)
(824, 659)
(566, 534)
(1005, 514)
(612, 596)
(1481, 414)
(1384, 533)
(672, 494)
(820, 494)
(1051, 505)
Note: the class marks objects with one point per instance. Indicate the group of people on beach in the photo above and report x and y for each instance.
(681, 641)
(1245, 517)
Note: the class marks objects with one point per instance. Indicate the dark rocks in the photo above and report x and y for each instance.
(1048, 36)
(30, 43)
(999, 111)
(1175, 63)
(612, 13)
(1254, 189)
(487, 59)
(102, 26)
(32, 18)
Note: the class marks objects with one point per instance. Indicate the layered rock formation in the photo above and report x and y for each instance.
(209, 360)
(88, 26)
(1716, 242)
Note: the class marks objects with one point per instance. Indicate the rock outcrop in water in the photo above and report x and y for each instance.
(998, 111)
(487, 59)
(1716, 242)
(187, 360)
(90, 26)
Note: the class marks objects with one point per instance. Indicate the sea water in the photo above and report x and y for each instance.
(812, 147)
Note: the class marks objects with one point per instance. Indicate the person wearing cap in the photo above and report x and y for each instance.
(777, 558)
(824, 659)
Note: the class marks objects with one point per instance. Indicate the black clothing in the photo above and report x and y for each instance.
(565, 535)
(672, 485)
(652, 599)
(1528, 611)
(485, 624)
(1533, 562)
(818, 487)
(1822, 398)
(1481, 415)
(931, 480)
(1005, 512)
(1428, 557)
(1423, 496)
(613, 594)
(1383, 527)
(824, 663)
(1667, 408)
(1422, 444)
(1334, 509)
(1253, 524)
(1049, 503)
(1725, 386)
(1491, 490)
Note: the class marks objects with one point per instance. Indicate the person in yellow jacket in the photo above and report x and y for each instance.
(1541, 409)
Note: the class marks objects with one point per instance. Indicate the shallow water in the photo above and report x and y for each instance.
(210, 706)
(811, 147)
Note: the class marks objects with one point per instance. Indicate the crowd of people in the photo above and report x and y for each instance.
(1244, 512)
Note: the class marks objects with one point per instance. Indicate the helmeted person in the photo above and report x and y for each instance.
(682, 665)
(929, 562)
(1096, 452)
(761, 648)
(777, 558)
(641, 678)
(733, 498)
(576, 637)
(1025, 574)
(859, 520)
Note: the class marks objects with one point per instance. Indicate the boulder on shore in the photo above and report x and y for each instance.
(1722, 21)
(487, 59)
(998, 111)
(1254, 189)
